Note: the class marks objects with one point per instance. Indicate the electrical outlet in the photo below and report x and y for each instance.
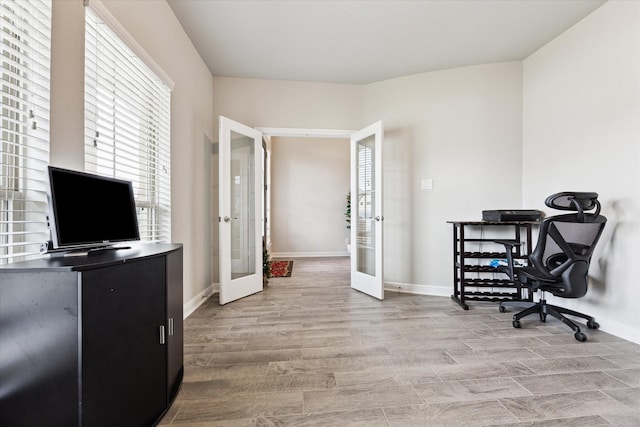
(427, 184)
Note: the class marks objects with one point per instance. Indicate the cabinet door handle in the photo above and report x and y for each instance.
(171, 326)
(162, 339)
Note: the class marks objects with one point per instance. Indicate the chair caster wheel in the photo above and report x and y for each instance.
(580, 336)
(501, 309)
(592, 324)
(516, 324)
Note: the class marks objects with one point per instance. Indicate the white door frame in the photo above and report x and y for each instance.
(268, 132)
(306, 133)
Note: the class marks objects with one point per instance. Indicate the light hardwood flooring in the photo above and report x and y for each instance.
(309, 351)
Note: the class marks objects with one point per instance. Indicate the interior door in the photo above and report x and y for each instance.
(366, 211)
(240, 208)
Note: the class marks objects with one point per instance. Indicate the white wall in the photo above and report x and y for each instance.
(67, 85)
(581, 131)
(155, 28)
(309, 185)
(461, 128)
(287, 104)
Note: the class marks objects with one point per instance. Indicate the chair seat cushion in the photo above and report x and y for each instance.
(527, 274)
(531, 277)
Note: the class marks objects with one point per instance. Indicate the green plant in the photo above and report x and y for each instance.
(266, 259)
(347, 212)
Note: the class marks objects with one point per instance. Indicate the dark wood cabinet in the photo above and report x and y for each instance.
(93, 340)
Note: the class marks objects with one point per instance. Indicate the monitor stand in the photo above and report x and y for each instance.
(95, 251)
(79, 252)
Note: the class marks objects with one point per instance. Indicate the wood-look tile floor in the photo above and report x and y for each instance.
(309, 351)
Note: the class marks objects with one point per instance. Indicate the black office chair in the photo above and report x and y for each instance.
(559, 264)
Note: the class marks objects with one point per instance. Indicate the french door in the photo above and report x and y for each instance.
(366, 211)
(240, 204)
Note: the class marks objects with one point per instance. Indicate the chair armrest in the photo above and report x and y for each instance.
(509, 245)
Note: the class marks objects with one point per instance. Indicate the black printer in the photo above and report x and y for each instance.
(499, 215)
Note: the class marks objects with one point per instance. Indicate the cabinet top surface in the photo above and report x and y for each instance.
(74, 262)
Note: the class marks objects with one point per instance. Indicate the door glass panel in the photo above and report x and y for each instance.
(366, 230)
(242, 204)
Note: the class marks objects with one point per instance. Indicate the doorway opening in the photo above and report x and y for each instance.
(309, 183)
(305, 215)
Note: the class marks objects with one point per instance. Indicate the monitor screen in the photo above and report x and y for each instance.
(89, 210)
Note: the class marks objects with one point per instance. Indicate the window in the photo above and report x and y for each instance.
(25, 47)
(127, 124)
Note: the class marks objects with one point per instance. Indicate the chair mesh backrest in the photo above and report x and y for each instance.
(580, 236)
(563, 242)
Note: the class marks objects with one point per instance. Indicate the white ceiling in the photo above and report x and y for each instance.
(362, 41)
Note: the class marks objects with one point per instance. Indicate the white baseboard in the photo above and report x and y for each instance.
(612, 327)
(410, 288)
(190, 306)
(309, 254)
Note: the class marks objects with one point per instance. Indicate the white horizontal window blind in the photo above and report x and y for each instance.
(25, 47)
(127, 125)
(366, 191)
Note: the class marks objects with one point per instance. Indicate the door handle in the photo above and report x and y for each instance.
(379, 218)
(227, 219)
